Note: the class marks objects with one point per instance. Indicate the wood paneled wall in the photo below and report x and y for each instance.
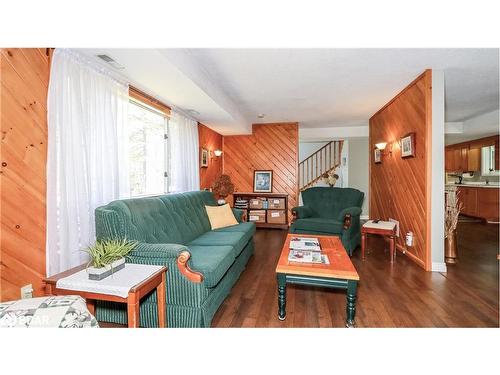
(24, 84)
(210, 140)
(270, 146)
(400, 188)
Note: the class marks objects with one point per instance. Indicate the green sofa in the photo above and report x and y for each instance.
(330, 211)
(174, 230)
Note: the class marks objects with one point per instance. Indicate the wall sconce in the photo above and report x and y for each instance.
(218, 153)
(382, 146)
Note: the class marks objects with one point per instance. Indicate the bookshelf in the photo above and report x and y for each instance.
(275, 214)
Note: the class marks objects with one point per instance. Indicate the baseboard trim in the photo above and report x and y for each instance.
(439, 267)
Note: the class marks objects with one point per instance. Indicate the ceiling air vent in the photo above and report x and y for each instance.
(111, 61)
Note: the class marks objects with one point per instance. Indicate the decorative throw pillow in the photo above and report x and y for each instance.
(221, 216)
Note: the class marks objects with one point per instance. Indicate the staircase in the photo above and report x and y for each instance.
(326, 159)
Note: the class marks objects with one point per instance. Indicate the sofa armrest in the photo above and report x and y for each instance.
(301, 212)
(238, 214)
(166, 254)
(347, 214)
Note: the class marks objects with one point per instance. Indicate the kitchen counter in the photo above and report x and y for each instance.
(489, 186)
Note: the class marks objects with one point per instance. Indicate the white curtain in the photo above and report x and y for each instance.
(184, 169)
(87, 143)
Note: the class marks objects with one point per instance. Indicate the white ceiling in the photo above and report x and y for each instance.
(316, 87)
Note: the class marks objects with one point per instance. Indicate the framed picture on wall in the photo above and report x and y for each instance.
(408, 145)
(263, 181)
(377, 156)
(204, 158)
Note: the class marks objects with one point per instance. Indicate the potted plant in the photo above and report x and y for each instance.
(107, 257)
(223, 187)
(330, 178)
(453, 208)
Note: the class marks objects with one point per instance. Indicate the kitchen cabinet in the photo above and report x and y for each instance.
(449, 160)
(480, 202)
(466, 156)
(468, 197)
(487, 203)
(474, 159)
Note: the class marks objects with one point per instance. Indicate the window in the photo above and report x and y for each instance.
(488, 161)
(148, 149)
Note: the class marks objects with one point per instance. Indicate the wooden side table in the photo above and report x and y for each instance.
(382, 228)
(156, 280)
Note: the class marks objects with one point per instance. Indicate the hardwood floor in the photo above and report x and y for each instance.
(398, 295)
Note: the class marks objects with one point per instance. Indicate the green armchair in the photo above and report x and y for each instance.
(330, 211)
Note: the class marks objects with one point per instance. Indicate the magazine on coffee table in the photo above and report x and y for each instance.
(305, 244)
(305, 256)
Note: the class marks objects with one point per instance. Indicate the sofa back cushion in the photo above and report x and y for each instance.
(173, 218)
(327, 202)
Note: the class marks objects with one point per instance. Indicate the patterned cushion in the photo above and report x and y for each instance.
(51, 312)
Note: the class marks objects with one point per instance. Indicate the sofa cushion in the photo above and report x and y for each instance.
(213, 238)
(221, 216)
(319, 225)
(247, 227)
(212, 261)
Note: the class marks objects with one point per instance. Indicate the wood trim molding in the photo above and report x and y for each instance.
(182, 264)
(428, 178)
(149, 100)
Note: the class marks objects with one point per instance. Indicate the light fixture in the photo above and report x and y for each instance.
(218, 153)
(261, 115)
(381, 145)
(192, 112)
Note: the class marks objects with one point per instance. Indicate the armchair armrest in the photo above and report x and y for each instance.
(347, 214)
(301, 212)
(238, 214)
(165, 254)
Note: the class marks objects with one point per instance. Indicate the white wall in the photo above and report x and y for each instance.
(437, 172)
(357, 165)
(306, 149)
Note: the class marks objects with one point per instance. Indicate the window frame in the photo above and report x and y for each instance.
(147, 102)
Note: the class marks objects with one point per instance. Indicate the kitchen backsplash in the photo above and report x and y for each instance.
(476, 177)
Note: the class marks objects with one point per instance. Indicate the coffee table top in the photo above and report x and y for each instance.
(340, 266)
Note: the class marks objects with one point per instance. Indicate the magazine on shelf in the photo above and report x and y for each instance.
(305, 256)
(304, 243)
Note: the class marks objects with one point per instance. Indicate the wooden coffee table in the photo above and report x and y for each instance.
(339, 274)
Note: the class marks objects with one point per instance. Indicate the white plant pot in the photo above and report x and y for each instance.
(101, 273)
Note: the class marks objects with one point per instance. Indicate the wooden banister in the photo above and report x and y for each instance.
(322, 161)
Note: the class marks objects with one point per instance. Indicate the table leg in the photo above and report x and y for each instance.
(281, 296)
(392, 241)
(133, 311)
(363, 245)
(351, 303)
(160, 297)
(90, 305)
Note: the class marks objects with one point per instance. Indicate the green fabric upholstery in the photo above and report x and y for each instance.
(236, 240)
(212, 261)
(319, 224)
(324, 211)
(164, 226)
(302, 212)
(238, 214)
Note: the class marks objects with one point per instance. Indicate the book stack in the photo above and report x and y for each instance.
(241, 203)
(306, 250)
